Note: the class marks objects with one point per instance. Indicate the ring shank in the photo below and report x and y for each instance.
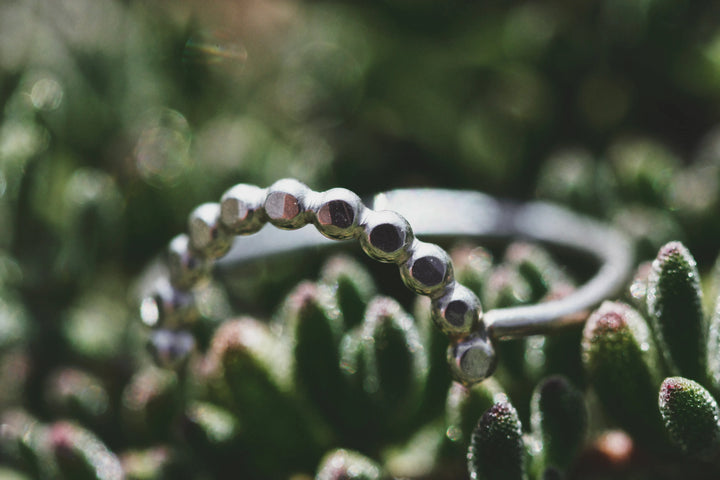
(451, 213)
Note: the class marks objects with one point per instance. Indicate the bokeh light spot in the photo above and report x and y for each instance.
(162, 152)
(46, 94)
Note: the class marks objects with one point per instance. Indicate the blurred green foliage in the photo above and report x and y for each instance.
(119, 117)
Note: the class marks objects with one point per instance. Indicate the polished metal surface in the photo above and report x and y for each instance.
(388, 228)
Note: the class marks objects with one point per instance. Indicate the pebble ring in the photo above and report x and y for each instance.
(382, 225)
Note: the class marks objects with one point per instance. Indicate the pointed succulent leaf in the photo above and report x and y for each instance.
(536, 267)
(395, 361)
(621, 362)
(361, 428)
(215, 425)
(347, 465)
(435, 344)
(81, 455)
(559, 417)
(151, 464)
(24, 443)
(352, 286)
(314, 327)
(417, 456)
(691, 416)
(714, 287)
(644, 169)
(639, 287)
(74, 393)
(559, 353)
(465, 405)
(472, 267)
(248, 370)
(507, 288)
(215, 436)
(497, 450)
(713, 348)
(151, 402)
(674, 303)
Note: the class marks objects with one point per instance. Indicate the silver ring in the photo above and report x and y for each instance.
(387, 227)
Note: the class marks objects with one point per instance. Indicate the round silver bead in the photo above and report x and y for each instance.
(207, 236)
(387, 236)
(241, 209)
(167, 306)
(186, 268)
(458, 311)
(337, 214)
(472, 359)
(284, 204)
(171, 349)
(428, 271)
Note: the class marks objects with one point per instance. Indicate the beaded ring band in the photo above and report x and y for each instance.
(383, 228)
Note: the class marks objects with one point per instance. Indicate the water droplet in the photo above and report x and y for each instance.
(453, 433)
(162, 151)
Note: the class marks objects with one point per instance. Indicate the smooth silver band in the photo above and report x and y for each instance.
(451, 213)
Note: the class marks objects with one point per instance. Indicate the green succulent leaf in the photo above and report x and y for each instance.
(465, 405)
(150, 464)
(473, 266)
(691, 416)
(314, 326)
(536, 267)
(150, 403)
(23, 442)
(559, 418)
(713, 352)
(497, 450)
(347, 465)
(395, 361)
(74, 393)
(435, 344)
(621, 362)
(352, 286)
(248, 371)
(80, 455)
(674, 301)
(215, 425)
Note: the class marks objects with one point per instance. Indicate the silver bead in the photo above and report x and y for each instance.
(186, 268)
(458, 311)
(387, 236)
(207, 236)
(338, 213)
(428, 270)
(167, 306)
(171, 349)
(241, 209)
(472, 359)
(284, 204)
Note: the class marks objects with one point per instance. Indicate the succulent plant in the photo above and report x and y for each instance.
(622, 356)
(500, 450)
(119, 117)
